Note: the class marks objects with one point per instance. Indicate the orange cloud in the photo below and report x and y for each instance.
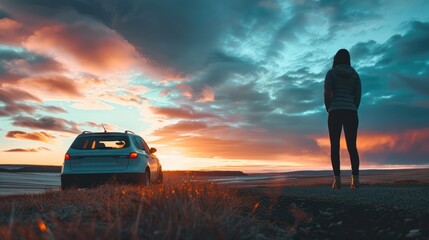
(10, 95)
(53, 84)
(36, 136)
(87, 46)
(200, 140)
(408, 141)
(7, 24)
(180, 127)
(11, 31)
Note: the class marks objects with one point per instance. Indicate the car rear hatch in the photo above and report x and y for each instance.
(99, 153)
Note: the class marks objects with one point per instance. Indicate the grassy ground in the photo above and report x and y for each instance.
(184, 209)
(173, 210)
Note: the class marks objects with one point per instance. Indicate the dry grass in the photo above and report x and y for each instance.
(183, 210)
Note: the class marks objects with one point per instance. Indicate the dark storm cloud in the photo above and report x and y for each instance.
(395, 80)
(46, 123)
(340, 16)
(406, 50)
(299, 91)
(222, 69)
(293, 103)
(177, 34)
(183, 35)
(397, 84)
(348, 12)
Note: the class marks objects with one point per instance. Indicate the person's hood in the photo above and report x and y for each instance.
(343, 71)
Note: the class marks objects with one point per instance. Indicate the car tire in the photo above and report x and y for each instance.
(65, 185)
(145, 179)
(160, 177)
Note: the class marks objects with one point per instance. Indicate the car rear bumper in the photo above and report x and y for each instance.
(95, 179)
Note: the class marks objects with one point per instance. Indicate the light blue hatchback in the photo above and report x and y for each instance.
(97, 158)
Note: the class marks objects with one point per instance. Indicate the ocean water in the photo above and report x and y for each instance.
(28, 182)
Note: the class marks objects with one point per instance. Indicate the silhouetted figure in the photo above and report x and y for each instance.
(342, 95)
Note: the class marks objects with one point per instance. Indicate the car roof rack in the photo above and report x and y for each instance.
(128, 131)
(85, 132)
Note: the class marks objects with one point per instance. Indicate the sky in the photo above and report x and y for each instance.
(214, 85)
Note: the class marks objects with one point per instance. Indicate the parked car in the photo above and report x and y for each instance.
(100, 157)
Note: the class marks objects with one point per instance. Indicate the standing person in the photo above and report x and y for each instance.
(342, 95)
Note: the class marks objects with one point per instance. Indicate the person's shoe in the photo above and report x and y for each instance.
(337, 183)
(355, 182)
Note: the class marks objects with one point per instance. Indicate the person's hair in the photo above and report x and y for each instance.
(342, 57)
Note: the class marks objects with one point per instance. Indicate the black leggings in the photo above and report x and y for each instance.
(349, 119)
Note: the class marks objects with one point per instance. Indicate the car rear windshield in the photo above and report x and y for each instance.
(100, 142)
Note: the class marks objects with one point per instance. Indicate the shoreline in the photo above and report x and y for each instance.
(36, 182)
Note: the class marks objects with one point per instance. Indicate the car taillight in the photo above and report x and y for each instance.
(133, 155)
(67, 157)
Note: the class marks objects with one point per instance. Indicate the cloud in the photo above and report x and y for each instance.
(166, 34)
(125, 97)
(53, 109)
(46, 123)
(182, 127)
(84, 45)
(27, 149)
(184, 112)
(36, 136)
(17, 101)
(12, 99)
(394, 82)
(17, 63)
(238, 79)
(11, 32)
(10, 95)
(54, 84)
(201, 140)
(404, 147)
(207, 95)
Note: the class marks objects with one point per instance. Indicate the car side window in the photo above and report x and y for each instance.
(145, 145)
(138, 143)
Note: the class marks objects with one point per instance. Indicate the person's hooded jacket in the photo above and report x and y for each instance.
(342, 90)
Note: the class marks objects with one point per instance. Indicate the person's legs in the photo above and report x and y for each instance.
(335, 125)
(351, 124)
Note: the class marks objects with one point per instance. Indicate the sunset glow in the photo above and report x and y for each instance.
(214, 85)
